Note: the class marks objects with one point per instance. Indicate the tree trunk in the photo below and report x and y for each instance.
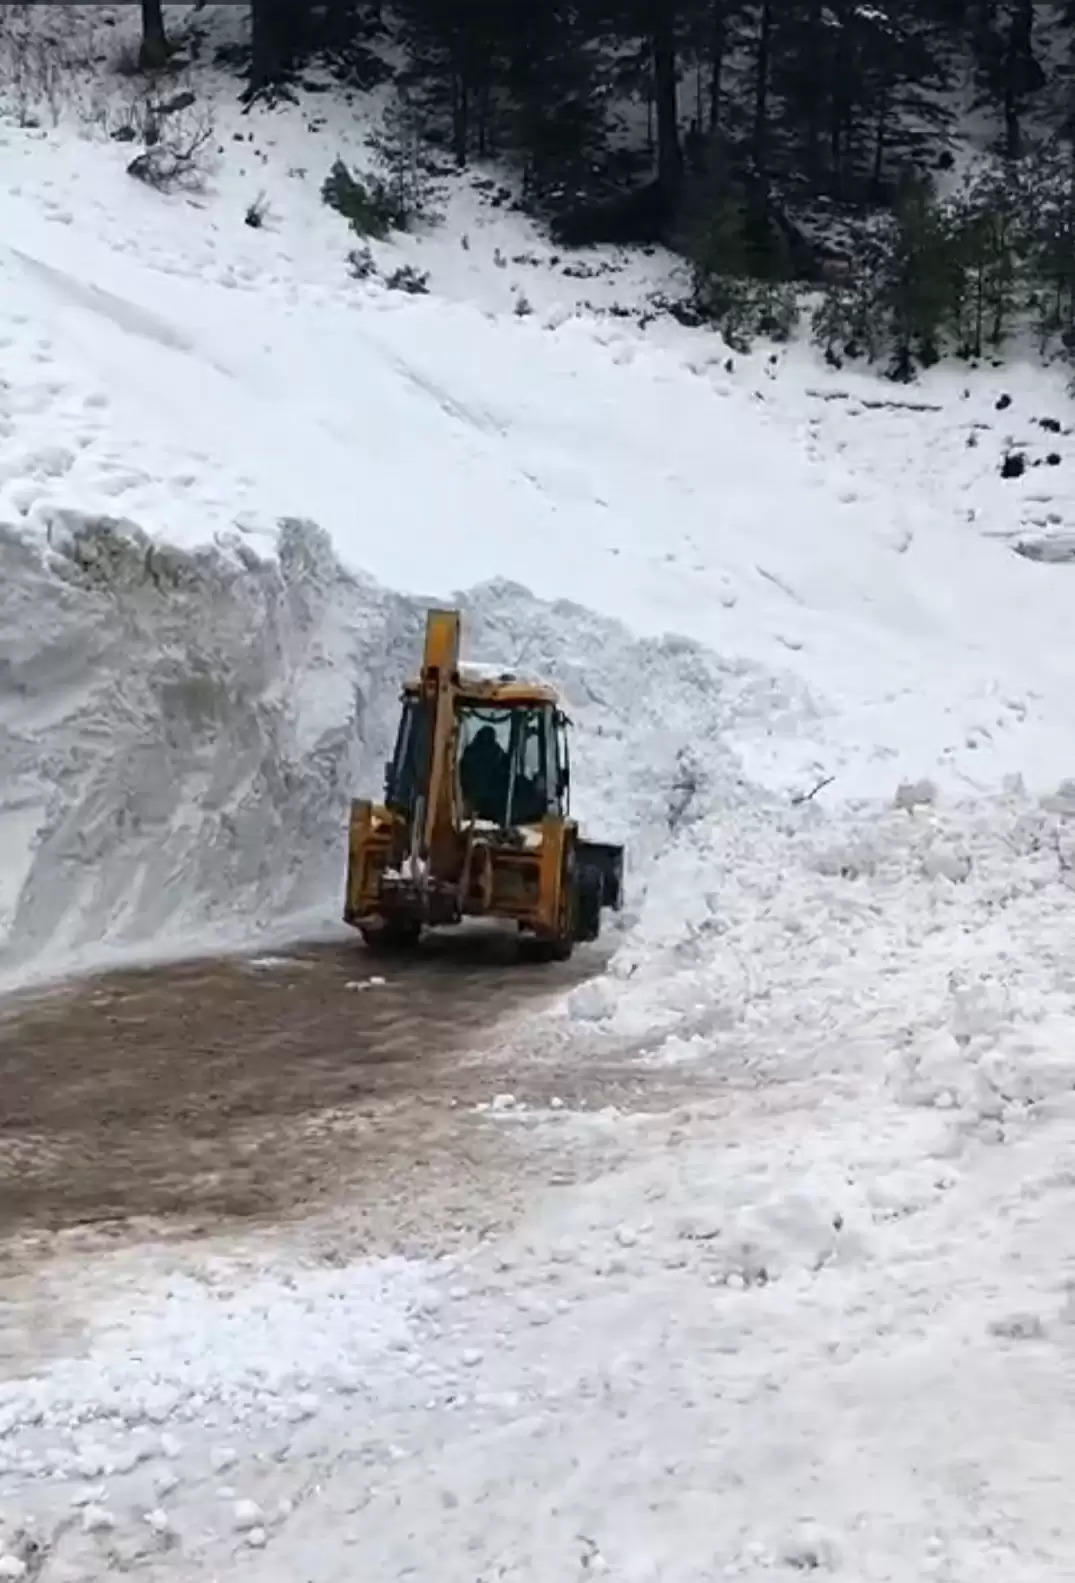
(985, 19)
(718, 41)
(761, 86)
(271, 42)
(839, 107)
(460, 113)
(485, 112)
(153, 52)
(669, 150)
(1018, 57)
(815, 99)
(880, 133)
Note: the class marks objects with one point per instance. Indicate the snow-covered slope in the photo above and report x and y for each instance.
(818, 1318)
(180, 383)
(177, 384)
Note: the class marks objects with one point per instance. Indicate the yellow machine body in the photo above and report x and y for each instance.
(444, 845)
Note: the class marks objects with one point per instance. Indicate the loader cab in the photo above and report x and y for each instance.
(511, 759)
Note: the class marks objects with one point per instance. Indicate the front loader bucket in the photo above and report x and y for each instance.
(607, 859)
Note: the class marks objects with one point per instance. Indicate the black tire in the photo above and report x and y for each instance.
(393, 936)
(589, 895)
(558, 950)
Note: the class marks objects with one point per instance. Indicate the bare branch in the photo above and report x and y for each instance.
(801, 797)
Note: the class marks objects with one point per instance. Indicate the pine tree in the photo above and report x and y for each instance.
(989, 226)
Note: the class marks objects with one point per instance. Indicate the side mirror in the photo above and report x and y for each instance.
(388, 768)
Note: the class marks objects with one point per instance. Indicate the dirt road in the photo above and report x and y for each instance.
(208, 1091)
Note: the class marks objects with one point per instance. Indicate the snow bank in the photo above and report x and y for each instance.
(184, 729)
(241, 1341)
(180, 733)
(166, 363)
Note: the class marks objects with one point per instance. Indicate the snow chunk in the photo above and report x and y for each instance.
(247, 1514)
(1018, 1327)
(476, 674)
(811, 1549)
(915, 794)
(592, 1002)
(940, 863)
(97, 1520)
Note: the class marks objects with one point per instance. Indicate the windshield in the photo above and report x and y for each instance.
(404, 776)
(508, 773)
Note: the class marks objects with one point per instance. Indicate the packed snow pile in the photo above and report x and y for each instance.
(184, 729)
(160, 1356)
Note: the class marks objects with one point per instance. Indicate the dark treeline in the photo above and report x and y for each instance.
(771, 141)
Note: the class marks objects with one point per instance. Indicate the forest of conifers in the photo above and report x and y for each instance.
(910, 160)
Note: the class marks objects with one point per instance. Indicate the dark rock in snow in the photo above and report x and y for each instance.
(182, 101)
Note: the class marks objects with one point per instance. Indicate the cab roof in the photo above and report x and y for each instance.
(504, 693)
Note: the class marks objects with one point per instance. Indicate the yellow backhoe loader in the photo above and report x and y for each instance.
(475, 821)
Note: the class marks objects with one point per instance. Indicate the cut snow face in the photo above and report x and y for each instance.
(184, 730)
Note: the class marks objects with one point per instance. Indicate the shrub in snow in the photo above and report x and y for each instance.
(360, 262)
(744, 310)
(31, 69)
(365, 202)
(257, 212)
(523, 309)
(413, 281)
(176, 154)
(401, 149)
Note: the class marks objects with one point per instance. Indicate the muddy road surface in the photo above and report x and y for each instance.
(212, 1091)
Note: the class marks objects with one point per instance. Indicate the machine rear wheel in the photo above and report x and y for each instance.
(393, 935)
(558, 950)
(589, 894)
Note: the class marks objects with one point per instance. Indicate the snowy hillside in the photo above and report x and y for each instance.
(791, 1294)
(191, 382)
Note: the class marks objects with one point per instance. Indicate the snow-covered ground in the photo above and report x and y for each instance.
(819, 1321)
